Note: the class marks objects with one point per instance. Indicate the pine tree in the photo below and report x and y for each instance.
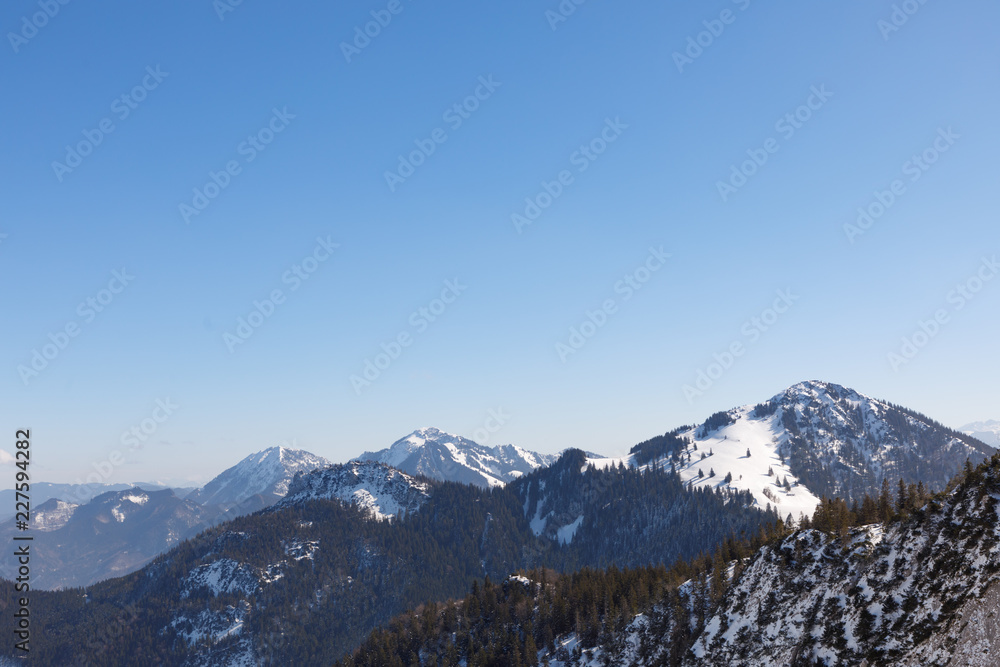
(885, 502)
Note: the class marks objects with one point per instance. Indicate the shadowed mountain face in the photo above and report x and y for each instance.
(114, 534)
(451, 458)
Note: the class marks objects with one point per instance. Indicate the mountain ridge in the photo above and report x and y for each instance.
(435, 454)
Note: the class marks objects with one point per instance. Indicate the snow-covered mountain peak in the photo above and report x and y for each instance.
(987, 431)
(815, 438)
(817, 388)
(266, 473)
(447, 457)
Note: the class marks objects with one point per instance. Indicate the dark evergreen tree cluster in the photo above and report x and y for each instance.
(634, 517)
(660, 447)
(507, 624)
(510, 623)
(714, 423)
(836, 515)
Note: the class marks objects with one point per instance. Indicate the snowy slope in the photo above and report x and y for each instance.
(824, 439)
(375, 487)
(446, 457)
(762, 473)
(266, 473)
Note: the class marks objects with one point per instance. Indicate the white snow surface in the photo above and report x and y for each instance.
(375, 487)
(448, 457)
(726, 451)
(127, 500)
(565, 533)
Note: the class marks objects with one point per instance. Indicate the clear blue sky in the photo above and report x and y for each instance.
(218, 81)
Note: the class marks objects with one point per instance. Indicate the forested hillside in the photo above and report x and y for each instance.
(306, 581)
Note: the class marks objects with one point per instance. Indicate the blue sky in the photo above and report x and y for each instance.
(203, 86)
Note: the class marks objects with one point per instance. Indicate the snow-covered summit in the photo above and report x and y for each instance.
(813, 439)
(266, 473)
(447, 457)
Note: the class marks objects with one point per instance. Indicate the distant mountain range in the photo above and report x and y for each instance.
(446, 457)
(114, 534)
(340, 549)
(988, 431)
(77, 493)
(121, 530)
(351, 545)
(117, 533)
